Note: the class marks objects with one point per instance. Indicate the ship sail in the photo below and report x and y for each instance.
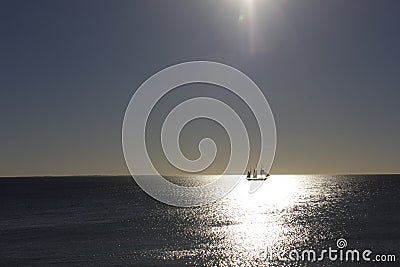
(263, 175)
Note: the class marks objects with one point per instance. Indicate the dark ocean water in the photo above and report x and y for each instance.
(109, 221)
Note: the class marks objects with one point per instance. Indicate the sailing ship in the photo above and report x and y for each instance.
(262, 177)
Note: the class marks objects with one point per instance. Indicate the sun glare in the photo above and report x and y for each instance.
(273, 199)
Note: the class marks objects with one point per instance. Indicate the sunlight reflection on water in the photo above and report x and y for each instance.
(288, 212)
(259, 225)
(252, 224)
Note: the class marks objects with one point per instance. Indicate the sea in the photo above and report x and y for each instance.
(292, 220)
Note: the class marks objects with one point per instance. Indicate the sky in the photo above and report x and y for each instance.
(330, 71)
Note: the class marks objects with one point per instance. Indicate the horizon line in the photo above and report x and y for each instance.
(125, 175)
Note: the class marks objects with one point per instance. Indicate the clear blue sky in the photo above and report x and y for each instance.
(329, 69)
